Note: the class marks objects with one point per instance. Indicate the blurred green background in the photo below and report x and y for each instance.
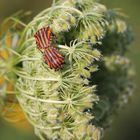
(126, 125)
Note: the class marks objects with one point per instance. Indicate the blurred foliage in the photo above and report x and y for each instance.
(127, 125)
(10, 32)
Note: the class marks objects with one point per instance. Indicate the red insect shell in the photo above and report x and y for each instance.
(53, 58)
(51, 55)
(43, 38)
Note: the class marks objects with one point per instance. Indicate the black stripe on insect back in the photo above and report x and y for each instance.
(48, 35)
(46, 39)
(50, 58)
(43, 39)
(58, 56)
(40, 39)
(46, 58)
(55, 59)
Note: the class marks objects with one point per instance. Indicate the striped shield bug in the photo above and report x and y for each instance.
(51, 55)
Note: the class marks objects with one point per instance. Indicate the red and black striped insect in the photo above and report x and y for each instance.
(44, 38)
(53, 58)
(51, 55)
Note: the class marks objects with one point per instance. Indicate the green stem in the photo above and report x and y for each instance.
(29, 59)
(40, 136)
(41, 100)
(60, 7)
(38, 78)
